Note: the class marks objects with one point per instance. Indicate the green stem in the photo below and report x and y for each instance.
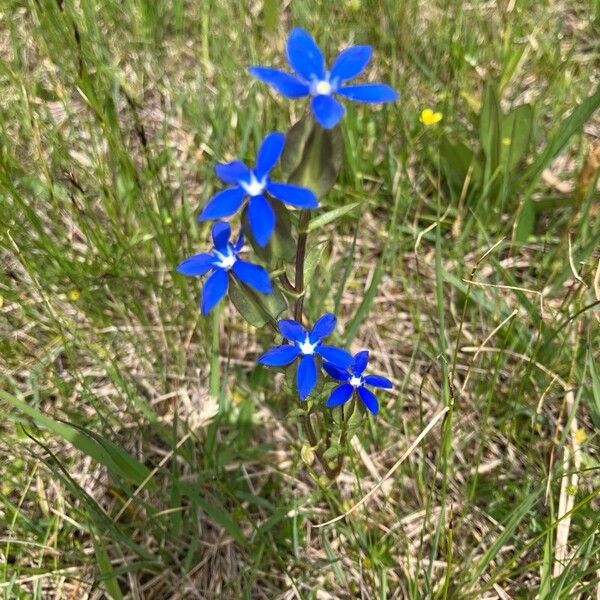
(300, 257)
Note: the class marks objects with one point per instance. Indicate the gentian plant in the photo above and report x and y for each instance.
(330, 386)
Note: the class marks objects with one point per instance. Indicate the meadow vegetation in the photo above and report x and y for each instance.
(145, 455)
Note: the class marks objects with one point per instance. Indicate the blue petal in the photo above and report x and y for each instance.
(283, 82)
(292, 330)
(337, 374)
(295, 195)
(350, 62)
(369, 400)
(378, 381)
(196, 265)
(327, 110)
(279, 356)
(232, 172)
(268, 154)
(262, 219)
(323, 326)
(221, 231)
(240, 242)
(214, 290)
(254, 275)
(359, 362)
(306, 376)
(340, 358)
(369, 92)
(223, 204)
(304, 55)
(339, 395)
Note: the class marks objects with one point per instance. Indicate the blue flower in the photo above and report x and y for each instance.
(223, 259)
(305, 345)
(354, 382)
(313, 79)
(254, 183)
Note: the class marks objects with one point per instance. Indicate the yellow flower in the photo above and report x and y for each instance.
(428, 117)
(73, 295)
(580, 436)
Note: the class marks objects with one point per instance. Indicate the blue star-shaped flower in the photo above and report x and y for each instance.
(313, 79)
(254, 183)
(223, 259)
(354, 382)
(306, 344)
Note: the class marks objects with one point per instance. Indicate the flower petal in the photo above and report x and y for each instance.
(268, 154)
(292, 330)
(221, 231)
(262, 219)
(286, 84)
(327, 110)
(232, 172)
(339, 395)
(223, 204)
(196, 265)
(333, 371)
(359, 362)
(378, 381)
(323, 327)
(369, 400)
(254, 275)
(279, 356)
(340, 358)
(369, 92)
(214, 289)
(350, 62)
(306, 376)
(295, 195)
(304, 55)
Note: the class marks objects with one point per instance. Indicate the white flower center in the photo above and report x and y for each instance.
(226, 261)
(322, 88)
(306, 347)
(355, 381)
(254, 187)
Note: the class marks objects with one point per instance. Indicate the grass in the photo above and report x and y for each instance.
(143, 453)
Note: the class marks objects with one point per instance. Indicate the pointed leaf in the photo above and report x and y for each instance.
(312, 156)
(331, 215)
(516, 134)
(526, 222)
(256, 309)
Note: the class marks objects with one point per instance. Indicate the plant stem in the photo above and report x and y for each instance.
(300, 256)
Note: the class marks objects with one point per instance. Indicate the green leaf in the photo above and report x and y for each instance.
(516, 134)
(105, 568)
(117, 460)
(313, 258)
(594, 404)
(489, 130)
(332, 452)
(526, 222)
(312, 156)
(281, 247)
(569, 126)
(331, 215)
(257, 309)
(457, 160)
(219, 514)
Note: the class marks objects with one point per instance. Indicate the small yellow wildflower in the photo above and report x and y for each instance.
(506, 141)
(428, 117)
(580, 436)
(73, 295)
